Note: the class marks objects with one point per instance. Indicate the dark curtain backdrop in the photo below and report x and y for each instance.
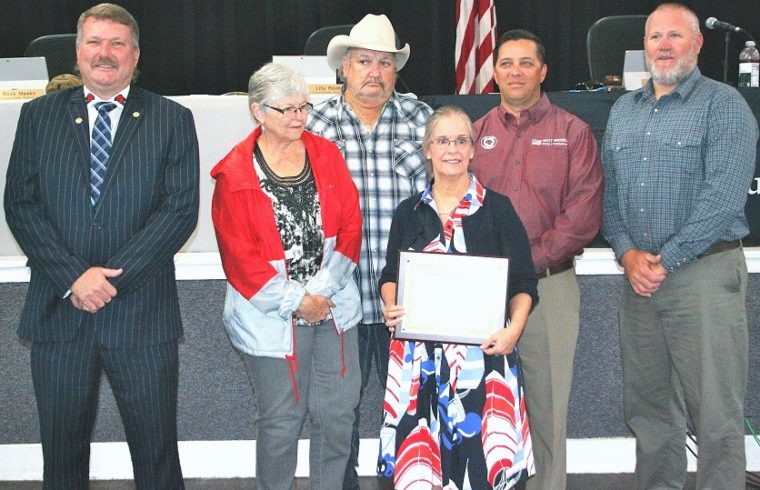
(212, 46)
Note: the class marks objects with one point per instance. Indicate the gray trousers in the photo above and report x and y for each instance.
(685, 355)
(326, 395)
(547, 351)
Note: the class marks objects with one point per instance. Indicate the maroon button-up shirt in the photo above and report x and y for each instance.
(549, 166)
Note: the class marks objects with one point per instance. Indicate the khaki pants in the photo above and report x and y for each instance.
(547, 351)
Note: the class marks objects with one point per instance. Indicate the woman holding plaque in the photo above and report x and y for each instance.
(287, 219)
(454, 414)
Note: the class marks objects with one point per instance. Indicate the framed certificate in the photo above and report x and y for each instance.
(451, 298)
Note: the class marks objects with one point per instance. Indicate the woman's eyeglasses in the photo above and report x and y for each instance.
(442, 142)
(291, 109)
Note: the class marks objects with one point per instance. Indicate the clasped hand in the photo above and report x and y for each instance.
(644, 271)
(92, 290)
(314, 308)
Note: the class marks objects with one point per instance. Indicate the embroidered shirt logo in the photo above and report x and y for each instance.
(548, 142)
(488, 142)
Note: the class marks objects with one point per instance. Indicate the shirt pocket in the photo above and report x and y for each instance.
(680, 155)
(341, 144)
(408, 160)
(625, 147)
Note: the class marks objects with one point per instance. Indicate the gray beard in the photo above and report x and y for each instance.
(675, 75)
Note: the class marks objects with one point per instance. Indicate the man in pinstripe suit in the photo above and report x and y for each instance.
(102, 295)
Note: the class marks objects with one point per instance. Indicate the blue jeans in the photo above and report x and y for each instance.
(374, 340)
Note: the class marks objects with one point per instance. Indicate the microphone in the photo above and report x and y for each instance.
(713, 23)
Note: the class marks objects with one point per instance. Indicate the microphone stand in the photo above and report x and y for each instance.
(726, 41)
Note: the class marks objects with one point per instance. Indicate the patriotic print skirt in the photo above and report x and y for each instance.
(453, 418)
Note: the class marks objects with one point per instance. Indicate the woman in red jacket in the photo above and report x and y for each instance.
(288, 224)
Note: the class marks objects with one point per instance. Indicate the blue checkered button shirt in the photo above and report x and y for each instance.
(387, 166)
(678, 169)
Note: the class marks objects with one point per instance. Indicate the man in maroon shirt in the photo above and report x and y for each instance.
(546, 160)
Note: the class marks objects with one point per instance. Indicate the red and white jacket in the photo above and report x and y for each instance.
(261, 300)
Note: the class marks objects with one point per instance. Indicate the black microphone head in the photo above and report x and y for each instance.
(710, 22)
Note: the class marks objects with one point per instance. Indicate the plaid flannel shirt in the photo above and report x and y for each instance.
(678, 169)
(387, 166)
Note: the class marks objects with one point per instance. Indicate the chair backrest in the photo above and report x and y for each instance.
(608, 39)
(316, 44)
(59, 51)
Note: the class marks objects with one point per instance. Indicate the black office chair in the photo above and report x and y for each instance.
(59, 51)
(607, 41)
(316, 44)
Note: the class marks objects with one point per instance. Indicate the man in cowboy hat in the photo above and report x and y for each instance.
(380, 134)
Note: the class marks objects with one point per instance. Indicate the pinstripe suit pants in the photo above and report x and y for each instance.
(66, 378)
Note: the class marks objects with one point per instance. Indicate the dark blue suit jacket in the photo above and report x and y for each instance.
(147, 209)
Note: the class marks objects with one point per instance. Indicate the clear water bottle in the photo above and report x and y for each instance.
(749, 66)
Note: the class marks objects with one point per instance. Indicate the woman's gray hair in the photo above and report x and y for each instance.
(273, 82)
(441, 113)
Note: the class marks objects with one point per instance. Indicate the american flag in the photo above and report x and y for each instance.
(476, 39)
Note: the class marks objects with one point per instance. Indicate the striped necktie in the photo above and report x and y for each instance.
(100, 148)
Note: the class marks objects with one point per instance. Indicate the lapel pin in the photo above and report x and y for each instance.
(135, 114)
(79, 120)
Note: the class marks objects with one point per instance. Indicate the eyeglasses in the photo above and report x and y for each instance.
(588, 87)
(291, 109)
(442, 142)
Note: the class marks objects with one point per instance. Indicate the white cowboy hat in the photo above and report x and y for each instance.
(373, 32)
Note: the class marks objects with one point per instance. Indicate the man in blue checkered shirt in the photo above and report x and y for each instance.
(679, 156)
(379, 133)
